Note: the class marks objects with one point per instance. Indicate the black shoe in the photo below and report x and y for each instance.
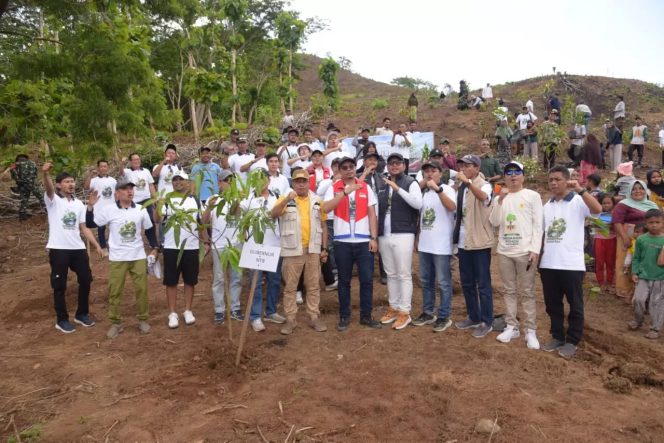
(84, 320)
(343, 324)
(370, 322)
(424, 319)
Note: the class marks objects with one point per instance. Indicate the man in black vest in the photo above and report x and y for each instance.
(399, 206)
(377, 183)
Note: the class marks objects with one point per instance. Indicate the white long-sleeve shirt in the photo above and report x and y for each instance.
(619, 110)
(519, 219)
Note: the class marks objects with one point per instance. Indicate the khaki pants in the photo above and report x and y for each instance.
(292, 268)
(117, 273)
(513, 270)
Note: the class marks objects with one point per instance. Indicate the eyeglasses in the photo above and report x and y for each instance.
(395, 162)
(347, 168)
(514, 172)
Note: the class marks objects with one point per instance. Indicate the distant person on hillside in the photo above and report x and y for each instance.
(401, 142)
(530, 142)
(530, 105)
(476, 102)
(503, 137)
(554, 103)
(288, 120)
(577, 137)
(487, 93)
(522, 124)
(360, 141)
(583, 111)
(638, 140)
(386, 128)
(562, 265)
(549, 140)
(24, 173)
(462, 103)
(619, 112)
(591, 158)
(490, 166)
(412, 107)
(614, 144)
(554, 116)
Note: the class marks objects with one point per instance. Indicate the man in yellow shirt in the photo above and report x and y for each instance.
(303, 246)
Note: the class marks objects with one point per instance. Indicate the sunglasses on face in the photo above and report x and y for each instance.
(395, 163)
(347, 168)
(514, 172)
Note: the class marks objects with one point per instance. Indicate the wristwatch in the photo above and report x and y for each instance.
(440, 189)
(583, 191)
(373, 238)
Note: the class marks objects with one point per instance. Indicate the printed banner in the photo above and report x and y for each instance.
(418, 142)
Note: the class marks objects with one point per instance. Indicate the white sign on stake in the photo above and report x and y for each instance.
(259, 257)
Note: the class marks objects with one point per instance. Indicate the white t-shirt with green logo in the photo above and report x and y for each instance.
(223, 230)
(165, 182)
(142, 179)
(126, 226)
(519, 219)
(436, 223)
(105, 187)
(189, 233)
(563, 234)
(64, 222)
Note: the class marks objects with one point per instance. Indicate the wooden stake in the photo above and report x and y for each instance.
(227, 296)
(247, 312)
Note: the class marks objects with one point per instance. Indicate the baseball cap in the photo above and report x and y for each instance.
(395, 155)
(242, 140)
(224, 174)
(235, 132)
(261, 142)
(316, 151)
(432, 165)
(124, 182)
(471, 160)
(444, 141)
(181, 174)
(300, 174)
(372, 154)
(554, 111)
(513, 163)
(435, 153)
(345, 160)
(204, 148)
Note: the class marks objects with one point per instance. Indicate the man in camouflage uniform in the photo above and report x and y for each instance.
(24, 173)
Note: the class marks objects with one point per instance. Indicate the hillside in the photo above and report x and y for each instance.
(465, 128)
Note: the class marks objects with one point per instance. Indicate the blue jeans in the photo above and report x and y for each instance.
(435, 271)
(347, 254)
(101, 235)
(272, 296)
(475, 272)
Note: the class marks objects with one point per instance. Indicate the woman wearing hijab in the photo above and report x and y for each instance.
(656, 187)
(626, 214)
(591, 158)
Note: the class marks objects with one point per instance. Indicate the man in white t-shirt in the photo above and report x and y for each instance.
(487, 93)
(238, 162)
(265, 200)
(259, 158)
(224, 234)
(334, 149)
(143, 181)
(288, 151)
(98, 180)
(584, 111)
(386, 129)
(164, 171)
(562, 266)
(126, 221)
(355, 240)
(525, 117)
(401, 142)
(181, 253)
(517, 213)
(66, 250)
(278, 183)
(434, 244)
(311, 141)
(473, 235)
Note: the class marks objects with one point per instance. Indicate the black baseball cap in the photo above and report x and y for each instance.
(235, 132)
(204, 148)
(436, 153)
(395, 155)
(432, 165)
(372, 154)
(346, 159)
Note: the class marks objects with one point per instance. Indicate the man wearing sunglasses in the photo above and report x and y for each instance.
(518, 216)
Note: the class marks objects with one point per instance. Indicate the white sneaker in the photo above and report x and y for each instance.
(333, 286)
(257, 325)
(298, 298)
(189, 318)
(531, 339)
(173, 321)
(508, 334)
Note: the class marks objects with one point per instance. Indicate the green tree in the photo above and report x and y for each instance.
(327, 72)
(291, 32)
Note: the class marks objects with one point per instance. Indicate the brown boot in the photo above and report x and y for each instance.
(318, 325)
(288, 327)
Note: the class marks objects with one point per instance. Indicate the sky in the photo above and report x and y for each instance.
(490, 41)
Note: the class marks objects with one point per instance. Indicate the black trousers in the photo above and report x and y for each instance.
(639, 152)
(557, 285)
(62, 260)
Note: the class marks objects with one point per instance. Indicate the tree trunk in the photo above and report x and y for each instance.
(290, 79)
(208, 113)
(234, 83)
(282, 105)
(201, 115)
(194, 120)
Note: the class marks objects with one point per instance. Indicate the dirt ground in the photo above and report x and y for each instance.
(358, 386)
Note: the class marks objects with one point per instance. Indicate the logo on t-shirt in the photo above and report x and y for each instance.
(169, 177)
(510, 219)
(556, 230)
(69, 220)
(128, 232)
(428, 218)
(107, 192)
(140, 184)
